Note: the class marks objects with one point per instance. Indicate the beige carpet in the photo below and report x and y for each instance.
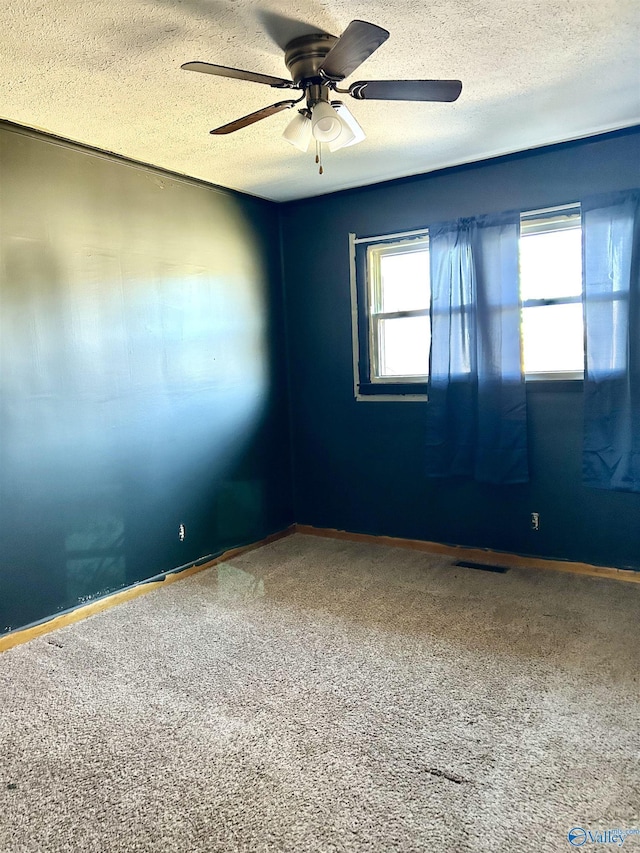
(318, 695)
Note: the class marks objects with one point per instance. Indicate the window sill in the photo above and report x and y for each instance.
(547, 385)
(392, 391)
(417, 391)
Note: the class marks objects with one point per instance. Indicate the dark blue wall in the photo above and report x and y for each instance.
(142, 371)
(358, 465)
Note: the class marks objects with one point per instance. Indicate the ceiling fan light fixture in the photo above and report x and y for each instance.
(298, 131)
(351, 132)
(325, 122)
(345, 137)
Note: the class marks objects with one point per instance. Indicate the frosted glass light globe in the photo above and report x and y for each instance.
(325, 124)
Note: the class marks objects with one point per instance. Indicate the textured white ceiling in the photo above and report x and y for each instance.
(107, 73)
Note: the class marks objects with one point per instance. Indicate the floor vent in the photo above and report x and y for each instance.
(483, 567)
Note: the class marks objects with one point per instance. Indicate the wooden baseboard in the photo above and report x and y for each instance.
(455, 552)
(24, 635)
(478, 555)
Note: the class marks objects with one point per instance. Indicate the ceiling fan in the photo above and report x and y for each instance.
(318, 63)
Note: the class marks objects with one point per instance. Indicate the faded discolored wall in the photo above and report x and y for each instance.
(142, 374)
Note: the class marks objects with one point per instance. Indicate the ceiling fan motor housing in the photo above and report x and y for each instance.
(304, 56)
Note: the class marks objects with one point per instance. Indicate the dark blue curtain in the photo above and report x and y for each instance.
(611, 272)
(477, 421)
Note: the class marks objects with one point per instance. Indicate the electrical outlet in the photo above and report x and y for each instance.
(182, 532)
(535, 521)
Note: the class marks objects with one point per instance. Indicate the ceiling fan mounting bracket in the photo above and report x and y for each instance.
(304, 56)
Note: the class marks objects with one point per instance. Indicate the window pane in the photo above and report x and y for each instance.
(405, 281)
(553, 338)
(551, 264)
(403, 346)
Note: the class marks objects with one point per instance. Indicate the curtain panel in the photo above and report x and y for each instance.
(477, 419)
(611, 299)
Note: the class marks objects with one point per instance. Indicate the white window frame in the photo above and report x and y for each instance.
(539, 222)
(375, 253)
(407, 238)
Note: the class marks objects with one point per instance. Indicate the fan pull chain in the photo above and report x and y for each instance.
(319, 156)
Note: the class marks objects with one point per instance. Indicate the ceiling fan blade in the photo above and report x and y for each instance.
(406, 90)
(356, 44)
(245, 121)
(239, 74)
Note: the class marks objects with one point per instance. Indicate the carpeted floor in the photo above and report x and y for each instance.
(320, 695)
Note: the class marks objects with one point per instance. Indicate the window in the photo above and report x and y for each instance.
(399, 321)
(551, 294)
(390, 281)
(392, 335)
